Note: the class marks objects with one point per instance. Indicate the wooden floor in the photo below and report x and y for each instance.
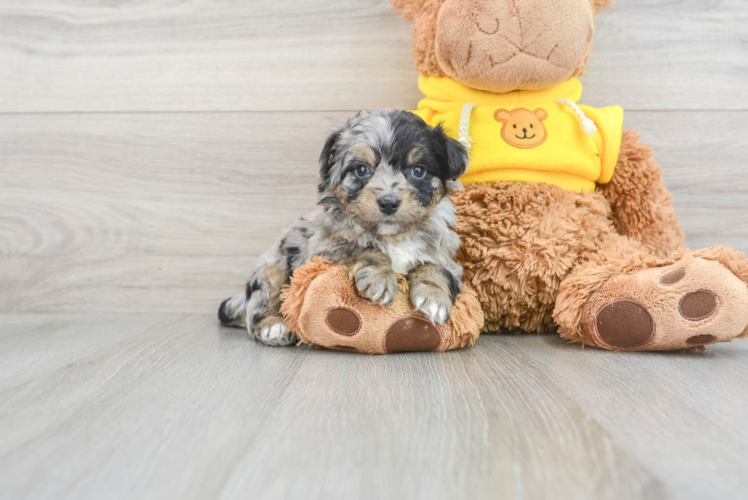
(174, 406)
(149, 152)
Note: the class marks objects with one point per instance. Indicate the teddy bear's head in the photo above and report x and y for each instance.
(502, 45)
(523, 128)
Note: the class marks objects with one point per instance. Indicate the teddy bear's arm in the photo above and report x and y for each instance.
(641, 204)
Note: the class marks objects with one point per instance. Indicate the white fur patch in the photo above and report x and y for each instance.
(406, 254)
(277, 335)
(409, 252)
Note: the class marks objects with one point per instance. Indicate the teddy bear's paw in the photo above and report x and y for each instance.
(691, 303)
(433, 301)
(377, 283)
(272, 331)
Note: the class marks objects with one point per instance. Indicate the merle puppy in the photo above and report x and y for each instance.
(384, 210)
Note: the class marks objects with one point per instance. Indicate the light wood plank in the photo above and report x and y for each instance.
(144, 212)
(183, 408)
(58, 341)
(172, 55)
(681, 415)
(168, 212)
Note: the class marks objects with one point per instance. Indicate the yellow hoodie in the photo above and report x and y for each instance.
(527, 136)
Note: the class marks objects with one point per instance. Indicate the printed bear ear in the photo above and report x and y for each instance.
(540, 114)
(501, 115)
(600, 4)
(408, 9)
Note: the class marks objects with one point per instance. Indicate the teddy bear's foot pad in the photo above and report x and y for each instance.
(689, 304)
(344, 321)
(625, 324)
(412, 334)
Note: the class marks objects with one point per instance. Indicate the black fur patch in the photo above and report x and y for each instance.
(424, 190)
(291, 254)
(326, 160)
(455, 160)
(252, 287)
(441, 156)
(454, 286)
(222, 316)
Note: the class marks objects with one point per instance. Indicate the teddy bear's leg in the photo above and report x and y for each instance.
(642, 207)
(520, 241)
(627, 300)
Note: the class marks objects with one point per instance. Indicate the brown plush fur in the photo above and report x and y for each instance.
(600, 4)
(520, 241)
(731, 259)
(424, 35)
(642, 207)
(408, 9)
(320, 286)
(542, 259)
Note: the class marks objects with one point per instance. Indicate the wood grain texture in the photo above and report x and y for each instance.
(657, 404)
(234, 55)
(177, 406)
(168, 212)
(154, 406)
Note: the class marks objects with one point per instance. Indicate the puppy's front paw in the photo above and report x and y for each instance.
(273, 332)
(435, 302)
(376, 283)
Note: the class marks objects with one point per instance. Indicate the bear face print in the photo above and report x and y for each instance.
(523, 128)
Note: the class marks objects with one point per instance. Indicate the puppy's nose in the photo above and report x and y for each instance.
(389, 205)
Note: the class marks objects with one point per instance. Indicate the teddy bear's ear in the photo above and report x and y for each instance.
(501, 115)
(540, 114)
(408, 9)
(599, 4)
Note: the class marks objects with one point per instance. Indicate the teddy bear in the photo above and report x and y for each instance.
(565, 223)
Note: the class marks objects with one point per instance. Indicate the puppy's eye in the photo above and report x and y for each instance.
(362, 170)
(418, 172)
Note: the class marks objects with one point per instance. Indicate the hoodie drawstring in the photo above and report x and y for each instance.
(588, 126)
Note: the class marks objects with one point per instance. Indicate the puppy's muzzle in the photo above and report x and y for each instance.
(388, 205)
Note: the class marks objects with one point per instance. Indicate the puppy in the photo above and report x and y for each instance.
(383, 210)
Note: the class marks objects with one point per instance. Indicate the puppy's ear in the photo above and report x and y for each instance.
(458, 159)
(408, 9)
(327, 159)
(455, 160)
